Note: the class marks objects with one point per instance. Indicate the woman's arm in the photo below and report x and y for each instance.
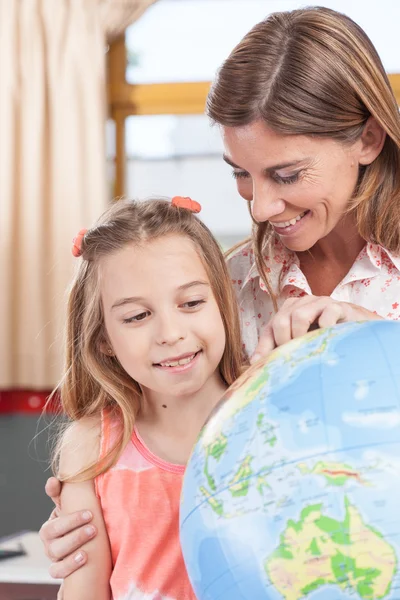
(81, 448)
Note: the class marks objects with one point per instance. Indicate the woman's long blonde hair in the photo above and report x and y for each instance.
(315, 72)
(95, 381)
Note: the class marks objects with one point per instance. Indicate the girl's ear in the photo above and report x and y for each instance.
(105, 348)
(372, 140)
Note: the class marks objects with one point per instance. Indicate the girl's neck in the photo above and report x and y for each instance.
(170, 425)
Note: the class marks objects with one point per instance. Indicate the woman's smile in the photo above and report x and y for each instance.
(291, 226)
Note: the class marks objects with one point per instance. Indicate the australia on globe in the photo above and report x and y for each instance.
(292, 490)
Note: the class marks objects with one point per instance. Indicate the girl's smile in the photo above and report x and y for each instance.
(179, 364)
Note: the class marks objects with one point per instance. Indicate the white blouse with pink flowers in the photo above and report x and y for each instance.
(373, 282)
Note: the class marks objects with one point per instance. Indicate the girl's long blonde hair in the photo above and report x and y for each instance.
(314, 71)
(94, 381)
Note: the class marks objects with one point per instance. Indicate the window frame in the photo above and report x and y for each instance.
(126, 99)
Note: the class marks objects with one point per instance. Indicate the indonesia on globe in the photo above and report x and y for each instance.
(292, 490)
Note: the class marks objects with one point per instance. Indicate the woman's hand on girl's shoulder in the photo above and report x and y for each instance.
(64, 536)
(298, 315)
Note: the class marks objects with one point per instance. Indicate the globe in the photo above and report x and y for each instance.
(292, 490)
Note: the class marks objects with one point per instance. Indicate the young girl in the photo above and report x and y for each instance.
(152, 343)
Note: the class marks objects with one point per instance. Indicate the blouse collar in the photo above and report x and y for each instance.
(283, 267)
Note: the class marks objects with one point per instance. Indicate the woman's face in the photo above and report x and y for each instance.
(301, 185)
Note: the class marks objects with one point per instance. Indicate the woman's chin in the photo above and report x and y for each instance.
(297, 245)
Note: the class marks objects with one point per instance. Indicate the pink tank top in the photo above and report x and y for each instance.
(140, 500)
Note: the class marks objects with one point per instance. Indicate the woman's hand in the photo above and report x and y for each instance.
(297, 315)
(63, 537)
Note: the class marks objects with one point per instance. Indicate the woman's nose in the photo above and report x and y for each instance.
(266, 204)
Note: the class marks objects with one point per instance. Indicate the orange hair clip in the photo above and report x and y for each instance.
(77, 243)
(186, 202)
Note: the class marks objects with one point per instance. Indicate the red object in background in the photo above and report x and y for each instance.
(26, 402)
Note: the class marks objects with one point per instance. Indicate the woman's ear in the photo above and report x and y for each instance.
(372, 140)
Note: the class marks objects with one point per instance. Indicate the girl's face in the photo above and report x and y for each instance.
(161, 316)
(301, 185)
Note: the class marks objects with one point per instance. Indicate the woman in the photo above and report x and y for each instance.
(312, 131)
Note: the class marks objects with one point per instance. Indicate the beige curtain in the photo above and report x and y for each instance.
(52, 166)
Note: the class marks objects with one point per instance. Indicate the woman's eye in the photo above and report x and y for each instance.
(136, 318)
(289, 179)
(193, 303)
(240, 174)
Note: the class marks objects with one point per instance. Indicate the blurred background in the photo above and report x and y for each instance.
(101, 99)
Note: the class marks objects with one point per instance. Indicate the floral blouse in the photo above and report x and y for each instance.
(373, 282)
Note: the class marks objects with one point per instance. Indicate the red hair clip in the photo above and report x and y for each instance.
(77, 243)
(186, 202)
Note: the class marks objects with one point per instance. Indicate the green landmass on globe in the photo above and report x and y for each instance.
(335, 473)
(317, 550)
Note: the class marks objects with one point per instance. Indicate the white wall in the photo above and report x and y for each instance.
(181, 155)
(197, 35)
(206, 179)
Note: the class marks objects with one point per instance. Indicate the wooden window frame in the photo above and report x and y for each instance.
(125, 99)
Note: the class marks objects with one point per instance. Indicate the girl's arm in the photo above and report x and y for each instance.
(80, 448)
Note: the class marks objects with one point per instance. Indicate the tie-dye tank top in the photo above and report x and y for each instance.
(140, 501)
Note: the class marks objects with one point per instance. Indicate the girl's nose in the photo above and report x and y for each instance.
(171, 330)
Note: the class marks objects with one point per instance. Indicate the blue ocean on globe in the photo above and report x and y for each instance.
(292, 490)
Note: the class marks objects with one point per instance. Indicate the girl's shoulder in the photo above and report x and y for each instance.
(80, 446)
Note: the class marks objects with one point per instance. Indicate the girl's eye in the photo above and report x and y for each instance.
(290, 179)
(193, 303)
(240, 174)
(136, 318)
